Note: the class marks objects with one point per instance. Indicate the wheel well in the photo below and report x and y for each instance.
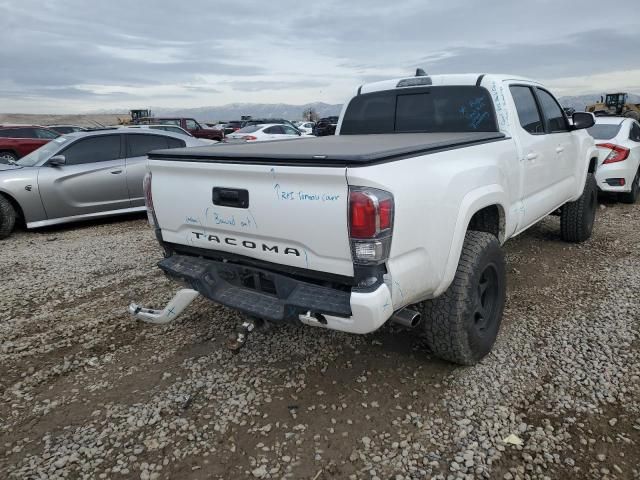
(9, 151)
(592, 165)
(15, 205)
(489, 219)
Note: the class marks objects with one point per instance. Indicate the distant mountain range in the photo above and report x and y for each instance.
(234, 111)
(581, 101)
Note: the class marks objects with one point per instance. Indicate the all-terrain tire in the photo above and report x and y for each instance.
(7, 157)
(577, 218)
(632, 196)
(462, 324)
(7, 217)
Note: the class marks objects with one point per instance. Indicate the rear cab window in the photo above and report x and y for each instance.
(464, 108)
(604, 131)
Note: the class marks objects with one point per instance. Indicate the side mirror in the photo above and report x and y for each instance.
(57, 161)
(583, 120)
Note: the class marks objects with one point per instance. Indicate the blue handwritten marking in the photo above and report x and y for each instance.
(192, 220)
(172, 311)
(220, 220)
(287, 196)
(253, 218)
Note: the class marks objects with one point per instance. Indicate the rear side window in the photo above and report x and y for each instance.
(433, 109)
(47, 134)
(95, 149)
(604, 131)
(635, 132)
(192, 124)
(175, 143)
(527, 109)
(553, 113)
(140, 145)
(275, 130)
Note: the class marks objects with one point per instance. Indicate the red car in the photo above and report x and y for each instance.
(191, 126)
(18, 141)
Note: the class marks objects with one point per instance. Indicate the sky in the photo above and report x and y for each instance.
(74, 56)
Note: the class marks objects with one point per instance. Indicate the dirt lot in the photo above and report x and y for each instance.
(89, 393)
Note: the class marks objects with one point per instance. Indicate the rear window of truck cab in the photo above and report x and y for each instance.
(426, 110)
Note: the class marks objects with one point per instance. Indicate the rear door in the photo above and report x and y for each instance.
(295, 216)
(93, 179)
(137, 147)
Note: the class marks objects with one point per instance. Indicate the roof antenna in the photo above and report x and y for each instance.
(420, 72)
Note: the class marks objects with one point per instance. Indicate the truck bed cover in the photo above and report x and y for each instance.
(335, 150)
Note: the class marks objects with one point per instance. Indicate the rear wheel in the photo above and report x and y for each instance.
(7, 217)
(632, 196)
(462, 324)
(577, 218)
(7, 157)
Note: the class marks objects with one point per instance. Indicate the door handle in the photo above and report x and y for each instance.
(560, 149)
(532, 156)
(116, 172)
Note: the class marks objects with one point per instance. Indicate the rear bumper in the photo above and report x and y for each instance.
(280, 298)
(615, 170)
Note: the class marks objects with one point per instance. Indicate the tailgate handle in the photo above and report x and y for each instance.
(230, 197)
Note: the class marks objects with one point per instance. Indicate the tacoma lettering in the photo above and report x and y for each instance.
(247, 244)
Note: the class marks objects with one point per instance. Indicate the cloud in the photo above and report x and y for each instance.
(71, 54)
(262, 85)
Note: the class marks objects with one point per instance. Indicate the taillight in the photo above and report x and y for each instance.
(249, 138)
(617, 154)
(370, 224)
(148, 200)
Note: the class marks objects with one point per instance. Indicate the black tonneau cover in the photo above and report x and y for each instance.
(333, 150)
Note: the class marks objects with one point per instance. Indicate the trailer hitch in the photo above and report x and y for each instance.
(238, 339)
(174, 308)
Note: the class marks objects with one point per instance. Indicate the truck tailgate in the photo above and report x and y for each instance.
(293, 215)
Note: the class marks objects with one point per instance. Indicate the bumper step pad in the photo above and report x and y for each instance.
(285, 298)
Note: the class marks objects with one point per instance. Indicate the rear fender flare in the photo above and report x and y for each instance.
(471, 203)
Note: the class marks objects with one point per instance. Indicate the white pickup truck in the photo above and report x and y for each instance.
(400, 216)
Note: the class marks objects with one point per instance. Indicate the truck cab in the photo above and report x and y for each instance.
(193, 127)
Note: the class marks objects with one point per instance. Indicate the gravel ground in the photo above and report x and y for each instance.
(87, 392)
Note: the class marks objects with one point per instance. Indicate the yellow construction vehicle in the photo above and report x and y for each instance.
(136, 116)
(615, 104)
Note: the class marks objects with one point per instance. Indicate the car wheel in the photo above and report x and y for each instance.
(7, 217)
(632, 196)
(462, 324)
(7, 157)
(577, 218)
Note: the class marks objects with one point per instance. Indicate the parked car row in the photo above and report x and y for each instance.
(81, 175)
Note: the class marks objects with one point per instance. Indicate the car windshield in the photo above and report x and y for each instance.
(42, 153)
(426, 109)
(249, 129)
(604, 131)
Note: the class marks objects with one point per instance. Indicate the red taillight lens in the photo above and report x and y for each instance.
(249, 138)
(370, 224)
(617, 154)
(386, 213)
(363, 215)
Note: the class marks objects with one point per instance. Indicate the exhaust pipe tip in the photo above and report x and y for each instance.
(407, 318)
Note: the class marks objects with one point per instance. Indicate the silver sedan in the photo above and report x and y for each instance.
(80, 176)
